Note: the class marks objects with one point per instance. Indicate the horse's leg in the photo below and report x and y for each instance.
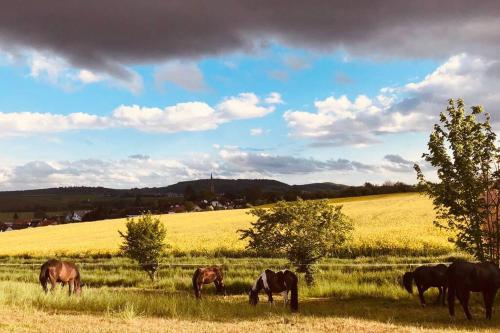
(217, 287)
(463, 297)
(438, 300)
(488, 297)
(451, 301)
(285, 297)
(44, 285)
(270, 297)
(53, 284)
(71, 286)
(421, 291)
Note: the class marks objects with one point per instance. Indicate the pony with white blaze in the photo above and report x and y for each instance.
(276, 282)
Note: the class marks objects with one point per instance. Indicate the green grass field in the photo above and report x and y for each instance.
(358, 291)
(383, 225)
(344, 298)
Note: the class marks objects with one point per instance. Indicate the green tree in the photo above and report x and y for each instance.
(189, 193)
(144, 242)
(302, 231)
(462, 149)
(189, 206)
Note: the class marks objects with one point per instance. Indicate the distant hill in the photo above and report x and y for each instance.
(314, 187)
(220, 185)
(229, 185)
(72, 198)
(121, 202)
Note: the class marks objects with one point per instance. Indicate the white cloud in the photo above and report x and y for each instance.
(243, 106)
(44, 66)
(17, 123)
(87, 77)
(188, 116)
(413, 107)
(56, 70)
(140, 170)
(256, 131)
(191, 116)
(186, 75)
(274, 98)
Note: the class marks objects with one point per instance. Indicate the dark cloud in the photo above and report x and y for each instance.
(398, 159)
(396, 163)
(296, 63)
(139, 157)
(106, 35)
(237, 161)
(342, 78)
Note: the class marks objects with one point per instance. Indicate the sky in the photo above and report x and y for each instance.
(125, 94)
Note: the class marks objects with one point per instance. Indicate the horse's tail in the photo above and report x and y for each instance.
(43, 276)
(294, 297)
(195, 282)
(408, 282)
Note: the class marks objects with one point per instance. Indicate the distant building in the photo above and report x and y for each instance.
(76, 216)
(15, 225)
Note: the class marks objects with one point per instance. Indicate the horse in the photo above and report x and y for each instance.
(426, 277)
(464, 277)
(279, 282)
(55, 271)
(208, 275)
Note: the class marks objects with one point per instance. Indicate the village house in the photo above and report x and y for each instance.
(76, 216)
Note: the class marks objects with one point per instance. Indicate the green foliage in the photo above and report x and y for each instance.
(189, 206)
(462, 150)
(144, 242)
(302, 231)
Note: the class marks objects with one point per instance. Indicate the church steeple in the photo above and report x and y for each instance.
(212, 187)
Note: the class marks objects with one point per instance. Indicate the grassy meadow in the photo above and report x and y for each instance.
(398, 224)
(118, 295)
(357, 291)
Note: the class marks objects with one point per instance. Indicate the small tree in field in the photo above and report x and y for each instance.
(303, 231)
(463, 151)
(144, 242)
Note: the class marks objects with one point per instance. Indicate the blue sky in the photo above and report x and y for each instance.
(292, 111)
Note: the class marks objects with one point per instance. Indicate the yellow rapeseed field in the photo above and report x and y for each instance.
(398, 224)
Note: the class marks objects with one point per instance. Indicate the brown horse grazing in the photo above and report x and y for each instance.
(464, 277)
(426, 277)
(208, 275)
(55, 271)
(279, 282)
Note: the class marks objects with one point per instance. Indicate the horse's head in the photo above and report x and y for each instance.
(78, 287)
(253, 297)
(408, 282)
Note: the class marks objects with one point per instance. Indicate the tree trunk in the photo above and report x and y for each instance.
(309, 276)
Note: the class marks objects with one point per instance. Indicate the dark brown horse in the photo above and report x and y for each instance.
(208, 275)
(426, 277)
(55, 271)
(464, 277)
(279, 282)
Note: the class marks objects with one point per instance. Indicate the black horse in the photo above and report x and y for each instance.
(426, 277)
(279, 282)
(464, 277)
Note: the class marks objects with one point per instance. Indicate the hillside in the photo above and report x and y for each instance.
(398, 224)
(73, 198)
